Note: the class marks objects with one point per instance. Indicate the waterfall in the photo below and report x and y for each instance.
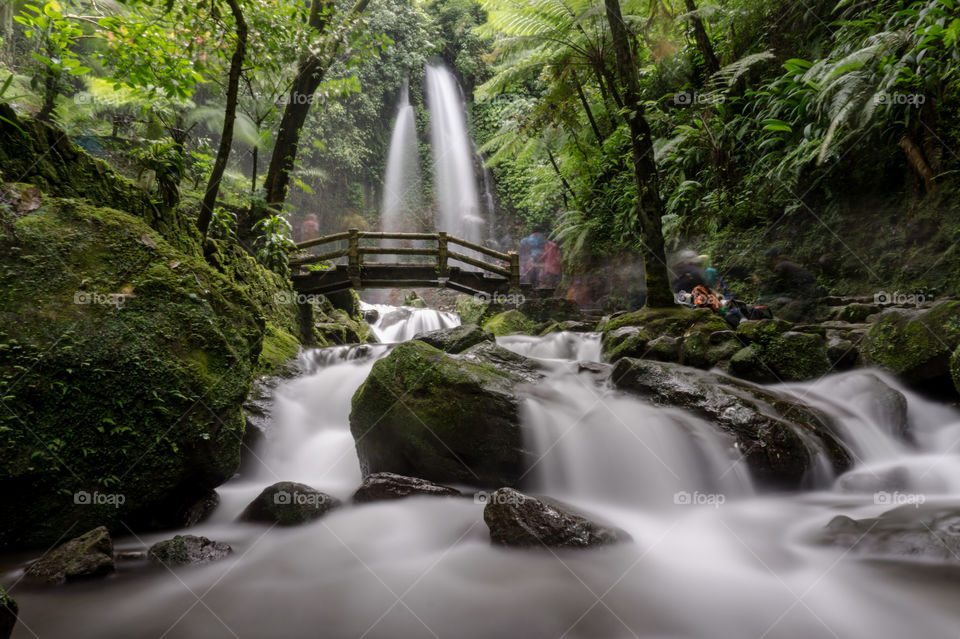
(458, 202)
(401, 186)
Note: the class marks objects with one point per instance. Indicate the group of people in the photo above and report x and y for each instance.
(541, 261)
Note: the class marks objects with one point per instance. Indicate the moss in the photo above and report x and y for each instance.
(761, 331)
(509, 322)
(627, 341)
(916, 346)
(474, 310)
(797, 356)
(670, 321)
(279, 348)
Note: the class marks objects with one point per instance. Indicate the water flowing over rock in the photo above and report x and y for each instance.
(916, 530)
(457, 339)
(188, 550)
(89, 555)
(382, 486)
(516, 519)
(424, 413)
(288, 503)
(781, 439)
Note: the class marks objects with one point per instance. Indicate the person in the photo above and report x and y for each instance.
(786, 278)
(310, 228)
(687, 273)
(552, 264)
(531, 258)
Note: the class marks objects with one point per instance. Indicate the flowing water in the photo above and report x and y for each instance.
(401, 184)
(713, 556)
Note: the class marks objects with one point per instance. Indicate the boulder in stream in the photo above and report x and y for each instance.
(8, 614)
(517, 519)
(915, 530)
(778, 437)
(445, 418)
(456, 339)
(288, 503)
(89, 555)
(188, 550)
(383, 486)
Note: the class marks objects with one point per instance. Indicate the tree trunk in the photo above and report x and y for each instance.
(50, 90)
(918, 163)
(309, 76)
(703, 41)
(253, 172)
(229, 118)
(649, 210)
(588, 111)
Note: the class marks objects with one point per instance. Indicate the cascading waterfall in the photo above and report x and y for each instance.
(401, 185)
(424, 567)
(458, 204)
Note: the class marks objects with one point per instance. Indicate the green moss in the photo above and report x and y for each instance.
(509, 322)
(670, 321)
(279, 348)
(916, 346)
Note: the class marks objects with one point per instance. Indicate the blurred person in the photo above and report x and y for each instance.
(310, 228)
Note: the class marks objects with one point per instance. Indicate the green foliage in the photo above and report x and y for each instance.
(161, 169)
(274, 243)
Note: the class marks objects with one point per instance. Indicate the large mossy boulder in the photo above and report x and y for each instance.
(8, 614)
(915, 345)
(390, 486)
(779, 438)
(89, 555)
(628, 334)
(288, 503)
(188, 550)
(519, 520)
(915, 530)
(457, 339)
(424, 413)
(776, 352)
(509, 323)
(474, 309)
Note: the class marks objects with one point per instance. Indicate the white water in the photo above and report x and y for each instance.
(424, 567)
(401, 185)
(458, 203)
(397, 324)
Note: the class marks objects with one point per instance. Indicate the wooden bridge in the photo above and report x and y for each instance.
(498, 276)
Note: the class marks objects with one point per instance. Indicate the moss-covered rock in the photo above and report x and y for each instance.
(457, 339)
(472, 309)
(687, 329)
(675, 322)
(8, 614)
(423, 413)
(414, 300)
(551, 309)
(856, 313)
(124, 363)
(332, 325)
(915, 345)
(777, 353)
(746, 364)
(89, 555)
(184, 550)
(508, 323)
(763, 330)
(626, 341)
(288, 503)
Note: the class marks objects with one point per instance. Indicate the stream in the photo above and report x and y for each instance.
(712, 556)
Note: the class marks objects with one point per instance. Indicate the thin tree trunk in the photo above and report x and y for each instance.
(586, 108)
(649, 210)
(229, 118)
(253, 173)
(918, 163)
(50, 90)
(703, 40)
(563, 180)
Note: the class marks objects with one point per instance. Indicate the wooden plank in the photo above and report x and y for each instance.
(322, 240)
(313, 259)
(379, 250)
(397, 236)
(479, 264)
(479, 248)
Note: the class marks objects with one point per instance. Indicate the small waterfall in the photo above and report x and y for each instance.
(582, 347)
(395, 324)
(401, 186)
(458, 203)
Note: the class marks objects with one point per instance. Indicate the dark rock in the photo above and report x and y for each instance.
(777, 436)
(199, 508)
(551, 309)
(520, 520)
(188, 550)
(913, 531)
(288, 503)
(662, 349)
(456, 339)
(842, 353)
(89, 555)
(8, 614)
(626, 341)
(746, 364)
(856, 313)
(381, 486)
(458, 418)
(913, 344)
(778, 353)
(371, 315)
(575, 326)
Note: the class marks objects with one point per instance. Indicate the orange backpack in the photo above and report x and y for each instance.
(702, 297)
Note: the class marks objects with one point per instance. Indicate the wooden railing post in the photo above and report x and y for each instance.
(514, 269)
(353, 257)
(442, 268)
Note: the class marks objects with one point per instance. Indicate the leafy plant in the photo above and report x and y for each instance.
(274, 243)
(161, 169)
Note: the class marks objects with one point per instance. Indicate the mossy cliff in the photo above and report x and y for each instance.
(125, 355)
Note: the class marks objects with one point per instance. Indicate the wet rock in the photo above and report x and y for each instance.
(778, 437)
(185, 550)
(778, 353)
(842, 353)
(626, 341)
(423, 413)
(414, 300)
(551, 309)
(915, 530)
(288, 503)
(456, 339)
(856, 313)
(89, 555)
(869, 480)
(662, 349)
(197, 509)
(746, 364)
(520, 520)
(371, 315)
(913, 344)
(8, 614)
(508, 323)
(706, 350)
(383, 486)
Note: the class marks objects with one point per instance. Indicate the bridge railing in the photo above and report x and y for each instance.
(442, 252)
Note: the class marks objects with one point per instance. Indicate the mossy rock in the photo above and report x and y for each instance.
(746, 364)
(457, 339)
(8, 614)
(423, 413)
(701, 350)
(124, 363)
(915, 345)
(509, 323)
(625, 341)
(288, 503)
(777, 353)
(333, 325)
(475, 310)
(856, 313)
(414, 300)
(551, 309)
(675, 322)
(89, 555)
(187, 550)
(762, 330)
